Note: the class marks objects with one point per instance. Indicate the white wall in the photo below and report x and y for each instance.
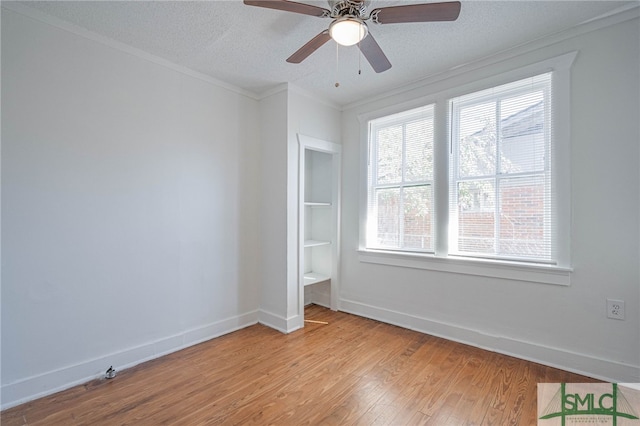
(129, 199)
(273, 210)
(556, 325)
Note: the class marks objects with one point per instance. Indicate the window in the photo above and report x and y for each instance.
(401, 182)
(476, 181)
(500, 185)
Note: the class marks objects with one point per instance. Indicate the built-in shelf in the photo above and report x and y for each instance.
(319, 195)
(314, 277)
(314, 204)
(316, 243)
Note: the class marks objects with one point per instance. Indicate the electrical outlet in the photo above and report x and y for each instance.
(615, 309)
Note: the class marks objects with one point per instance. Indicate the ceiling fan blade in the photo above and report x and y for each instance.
(374, 54)
(311, 46)
(290, 6)
(426, 12)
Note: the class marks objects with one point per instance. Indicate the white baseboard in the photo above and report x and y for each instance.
(54, 381)
(277, 322)
(608, 370)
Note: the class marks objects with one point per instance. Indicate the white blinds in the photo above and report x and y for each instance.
(500, 190)
(400, 197)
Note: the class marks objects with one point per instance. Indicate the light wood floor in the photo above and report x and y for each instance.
(352, 371)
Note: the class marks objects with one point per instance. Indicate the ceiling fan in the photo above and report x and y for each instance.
(349, 23)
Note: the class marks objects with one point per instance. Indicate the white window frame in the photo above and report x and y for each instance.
(558, 273)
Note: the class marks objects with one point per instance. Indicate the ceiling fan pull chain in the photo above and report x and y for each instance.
(337, 61)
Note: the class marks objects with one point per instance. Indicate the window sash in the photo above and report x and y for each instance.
(532, 231)
(414, 212)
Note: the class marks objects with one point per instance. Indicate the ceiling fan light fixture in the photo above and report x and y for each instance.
(348, 30)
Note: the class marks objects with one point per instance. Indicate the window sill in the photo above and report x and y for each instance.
(545, 274)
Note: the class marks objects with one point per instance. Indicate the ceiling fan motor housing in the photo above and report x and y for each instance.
(353, 8)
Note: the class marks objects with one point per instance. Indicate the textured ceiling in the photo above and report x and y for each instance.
(247, 46)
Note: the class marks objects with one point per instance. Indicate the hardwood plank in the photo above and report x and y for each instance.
(351, 371)
(518, 395)
(471, 390)
(398, 402)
